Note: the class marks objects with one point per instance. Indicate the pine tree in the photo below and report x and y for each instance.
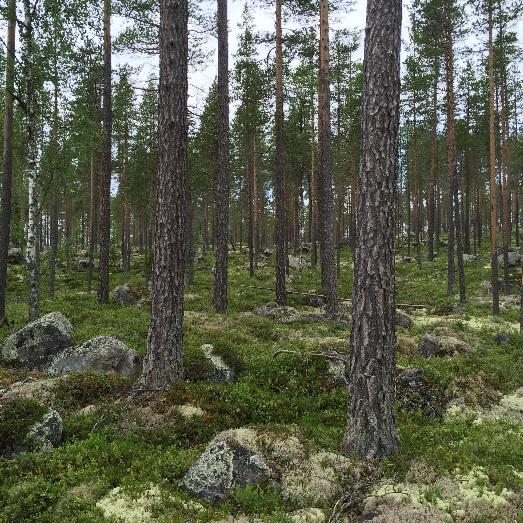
(163, 362)
(222, 188)
(371, 429)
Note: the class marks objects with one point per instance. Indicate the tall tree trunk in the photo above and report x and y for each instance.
(455, 231)
(92, 219)
(126, 218)
(163, 362)
(222, 190)
(313, 192)
(53, 233)
(451, 144)
(371, 428)
(325, 192)
(505, 186)
(7, 176)
(431, 218)
(31, 168)
(253, 214)
(492, 169)
(189, 240)
(281, 252)
(105, 185)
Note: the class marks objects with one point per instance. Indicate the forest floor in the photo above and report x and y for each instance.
(122, 458)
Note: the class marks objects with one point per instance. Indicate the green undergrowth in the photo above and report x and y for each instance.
(133, 442)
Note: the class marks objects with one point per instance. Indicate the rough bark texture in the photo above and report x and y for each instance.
(325, 191)
(222, 189)
(492, 170)
(163, 362)
(31, 169)
(281, 251)
(105, 185)
(7, 175)
(371, 429)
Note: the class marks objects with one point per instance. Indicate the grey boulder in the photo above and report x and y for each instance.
(14, 256)
(403, 320)
(124, 295)
(225, 465)
(35, 345)
(46, 434)
(280, 314)
(102, 355)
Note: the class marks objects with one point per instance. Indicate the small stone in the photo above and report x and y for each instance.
(221, 371)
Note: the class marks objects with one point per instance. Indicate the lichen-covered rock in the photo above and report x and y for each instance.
(403, 320)
(514, 259)
(124, 295)
(47, 433)
(38, 390)
(246, 456)
(431, 345)
(486, 286)
(102, 354)
(15, 256)
(280, 314)
(308, 515)
(471, 257)
(297, 263)
(227, 463)
(36, 344)
(221, 372)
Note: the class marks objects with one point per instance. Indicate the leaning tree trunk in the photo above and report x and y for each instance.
(325, 192)
(31, 169)
(105, 184)
(163, 362)
(492, 169)
(222, 190)
(281, 262)
(371, 428)
(7, 177)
